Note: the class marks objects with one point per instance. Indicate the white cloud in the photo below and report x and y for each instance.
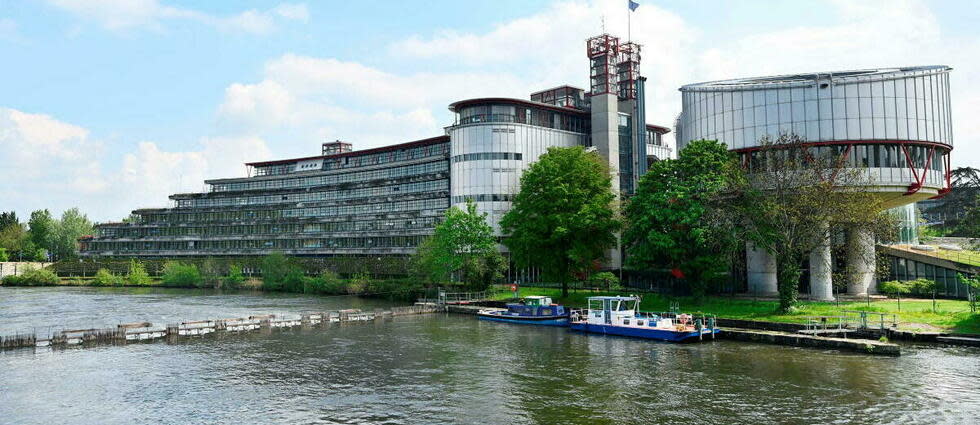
(8, 29)
(333, 99)
(296, 12)
(547, 49)
(121, 15)
(52, 164)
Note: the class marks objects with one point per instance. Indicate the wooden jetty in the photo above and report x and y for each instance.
(146, 331)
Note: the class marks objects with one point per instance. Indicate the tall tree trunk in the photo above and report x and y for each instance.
(564, 288)
(787, 280)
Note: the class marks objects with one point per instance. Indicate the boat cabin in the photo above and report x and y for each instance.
(623, 311)
(537, 305)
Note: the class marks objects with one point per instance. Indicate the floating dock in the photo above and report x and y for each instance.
(146, 331)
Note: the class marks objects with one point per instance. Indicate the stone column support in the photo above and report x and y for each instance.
(861, 262)
(821, 269)
(761, 270)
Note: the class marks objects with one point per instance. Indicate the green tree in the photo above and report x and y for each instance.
(969, 225)
(564, 218)
(3, 255)
(462, 246)
(137, 275)
(180, 274)
(235, 277)
(793, 195)
(41, 229)
(8, 219)
(673, 220)
(64, 241)
(275, 268)
(13, 238)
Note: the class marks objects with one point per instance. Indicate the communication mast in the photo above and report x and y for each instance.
(628, 70)
(603, 51)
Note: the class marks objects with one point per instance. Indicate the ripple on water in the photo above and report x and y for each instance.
(450, 369)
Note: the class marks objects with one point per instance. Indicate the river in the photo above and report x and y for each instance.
(442, 369)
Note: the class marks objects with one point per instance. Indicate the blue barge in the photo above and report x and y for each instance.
(535, 310)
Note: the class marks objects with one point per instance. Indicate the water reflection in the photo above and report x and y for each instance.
(454, 369)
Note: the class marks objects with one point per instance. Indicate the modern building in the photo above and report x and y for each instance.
(891, 124)
(385, 201)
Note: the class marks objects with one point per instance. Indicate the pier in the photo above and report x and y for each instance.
(146, 331)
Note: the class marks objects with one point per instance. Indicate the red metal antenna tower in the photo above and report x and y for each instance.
(603, 51)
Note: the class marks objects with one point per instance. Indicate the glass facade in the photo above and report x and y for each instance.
(947, 281)
(383, 201)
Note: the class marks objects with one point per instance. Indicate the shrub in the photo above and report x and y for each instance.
(295, 281)
(137, 274)
(32, 277)
(104, 277)
(275, 267)
(606, 280)
(183, 275)
(358, 283)
(234, 279)
(326, 283)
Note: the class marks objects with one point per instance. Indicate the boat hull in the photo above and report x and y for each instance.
(646, 333)
(525, 320)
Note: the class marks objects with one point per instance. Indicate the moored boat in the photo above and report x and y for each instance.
(535, 310)
(620, 316)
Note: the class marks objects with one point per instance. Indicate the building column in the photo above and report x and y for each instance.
(861, 262)
(761, 270)
(821, 269)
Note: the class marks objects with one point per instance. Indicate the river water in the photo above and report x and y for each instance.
(442, 369)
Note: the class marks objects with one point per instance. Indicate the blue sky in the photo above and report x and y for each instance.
(111, 105)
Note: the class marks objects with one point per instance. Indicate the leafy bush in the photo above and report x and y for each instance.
(32, 277)
(234, 279)
(295, 281)
(606, 280)
(894, 287)
(104, 277)
(275, 267)
(137, 274)
(358, 283)
(181, 274)
(3, 255)
(326, 283)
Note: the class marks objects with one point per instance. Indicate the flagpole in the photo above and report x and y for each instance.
(629, 25)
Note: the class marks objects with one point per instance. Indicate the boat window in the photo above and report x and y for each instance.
(639, 323)
(545, 311)
(626, 321)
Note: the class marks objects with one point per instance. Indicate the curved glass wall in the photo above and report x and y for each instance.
(903, 105)
(520, 114)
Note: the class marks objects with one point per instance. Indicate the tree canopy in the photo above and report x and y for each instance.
(672, 221)
(462, 246)
(793, 194)
(564, 217)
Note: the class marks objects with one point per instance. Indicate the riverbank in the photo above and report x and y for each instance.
(916, 314)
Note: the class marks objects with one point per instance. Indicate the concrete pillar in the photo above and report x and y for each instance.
(821, 269)
(861, 262)
(761, 270)
(605, 138)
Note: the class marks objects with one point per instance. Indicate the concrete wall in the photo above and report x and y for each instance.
(8, 268)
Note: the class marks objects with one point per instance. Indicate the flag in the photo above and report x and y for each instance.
(633, 5)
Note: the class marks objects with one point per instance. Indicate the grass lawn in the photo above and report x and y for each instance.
(950, 315)
(964, 256)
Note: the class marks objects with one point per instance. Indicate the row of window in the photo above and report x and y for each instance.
(919, 87)
(427, 206)
(523, 115)
(258, 244)
(870, 156)
(312, 181)
(329, 195)
(486, 156)
(947, 281)
(417, 223)
(438, 149)
(484, 197)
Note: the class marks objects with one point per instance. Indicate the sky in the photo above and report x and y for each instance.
(112, 105)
